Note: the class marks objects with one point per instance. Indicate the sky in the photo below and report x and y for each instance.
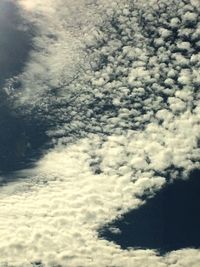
(11, 58)
(108, 95)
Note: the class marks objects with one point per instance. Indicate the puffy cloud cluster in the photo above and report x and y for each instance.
(136, 67)
(57, 27)
(54, 218)
(141, 62)
(125, 124)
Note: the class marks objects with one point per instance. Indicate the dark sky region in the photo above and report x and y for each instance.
(19, 137)
(15, 41)
(169, 221)
(21, 140)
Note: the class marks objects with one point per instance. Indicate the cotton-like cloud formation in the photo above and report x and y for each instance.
(123, 106)
(59, 25)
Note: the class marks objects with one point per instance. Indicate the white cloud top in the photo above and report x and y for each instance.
(125, 113)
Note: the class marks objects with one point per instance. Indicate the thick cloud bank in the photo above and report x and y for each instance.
(121, 99)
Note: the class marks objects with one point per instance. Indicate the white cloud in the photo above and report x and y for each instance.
(133, 114)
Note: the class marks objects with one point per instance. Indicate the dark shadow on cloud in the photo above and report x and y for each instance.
(168, 221)
(15, 40)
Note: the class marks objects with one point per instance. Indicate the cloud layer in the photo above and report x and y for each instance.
(122, 103)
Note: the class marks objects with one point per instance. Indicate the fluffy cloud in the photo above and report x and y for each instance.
(125, 122)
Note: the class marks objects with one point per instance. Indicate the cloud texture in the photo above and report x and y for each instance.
(122, 102)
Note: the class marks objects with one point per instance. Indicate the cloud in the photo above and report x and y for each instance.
(125, 122)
